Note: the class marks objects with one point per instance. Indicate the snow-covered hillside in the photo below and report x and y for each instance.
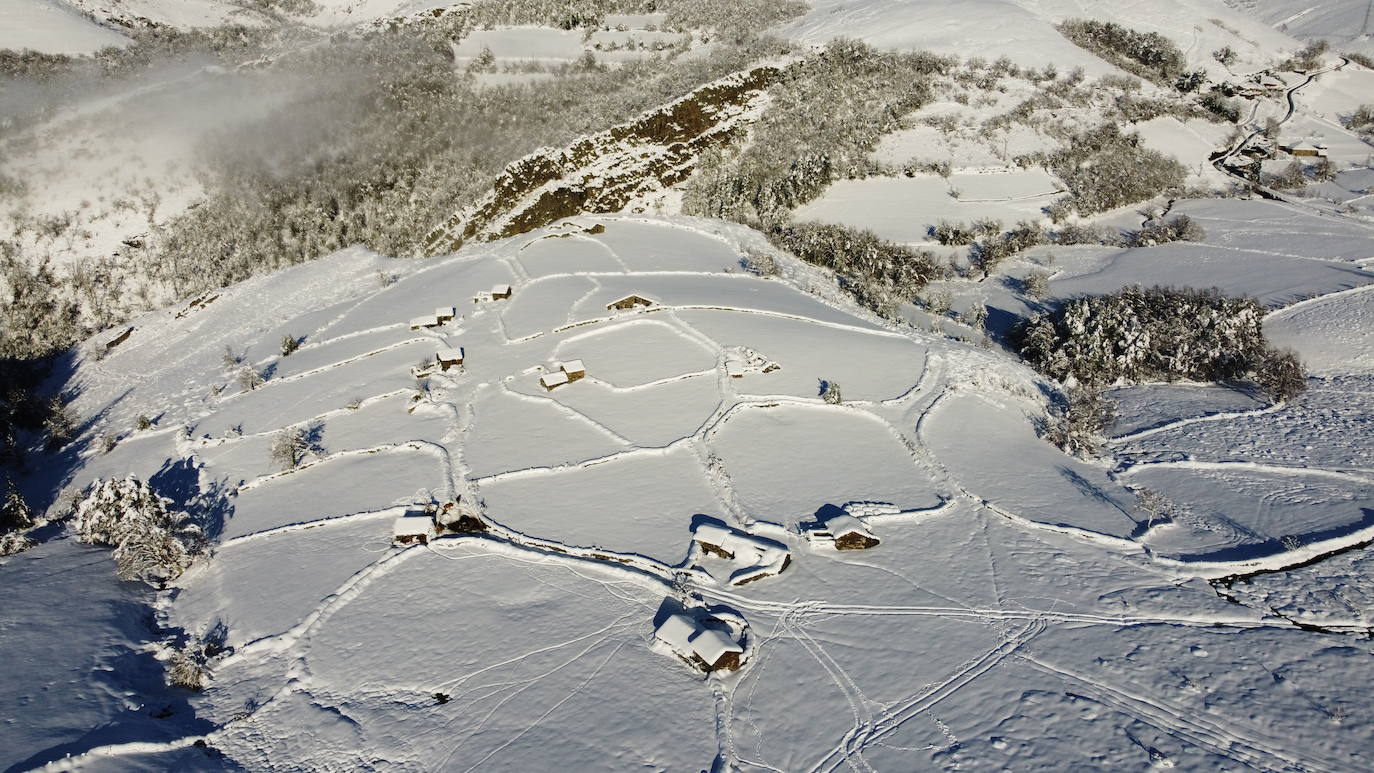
(614, 487)
(1019, 611)
(52, 27)
(1347, 23)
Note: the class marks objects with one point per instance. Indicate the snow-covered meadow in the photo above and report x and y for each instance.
(647, 418)
(1015, 595)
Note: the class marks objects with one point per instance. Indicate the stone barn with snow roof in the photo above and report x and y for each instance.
(630, 302)
(553, 379)
(708, 649)
(449, 358)
(844, 532)
(410, 529)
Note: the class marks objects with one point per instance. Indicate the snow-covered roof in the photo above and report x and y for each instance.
(840, 525)
(676, 632)
(428, 320)
(553, 379)
(450, 355)
(734, 368)
(500, 289)
(711, 644)
(412, 526)
(711, 534)
(574, 366)
(445, 311)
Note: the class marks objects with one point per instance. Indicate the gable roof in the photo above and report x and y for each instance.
(840, 525)
(676, 632)
(412, 526)
(711, 644)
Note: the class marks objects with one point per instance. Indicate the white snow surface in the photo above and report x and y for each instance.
(1020, 612)
(52, 27)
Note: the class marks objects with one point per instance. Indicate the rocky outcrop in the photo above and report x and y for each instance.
(606, 171)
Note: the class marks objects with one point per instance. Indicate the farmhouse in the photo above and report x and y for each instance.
(445, 314)
(844, 532)
(706, 648)
(850, 533)
(1305, 148)
(760, 557)
(500, 292)
(553, 379)
(630, 302)
(574, 369)
(428, 320)
(412, 528)
(449, 358)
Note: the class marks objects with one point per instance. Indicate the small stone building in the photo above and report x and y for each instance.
(843, 532)
(630, 302)
(1305, 148)
(708, 649)
(449, 358)
(412, 528)
(758, 557)
(425, 321)
(850, 533)
(501, 292)
(553, 379)
(445, 314)
(574, 369)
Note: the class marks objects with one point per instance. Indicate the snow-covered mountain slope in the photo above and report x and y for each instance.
(1348, 24)
(189, 14)
(1020, 611)
(1024, 29)
(52, 27)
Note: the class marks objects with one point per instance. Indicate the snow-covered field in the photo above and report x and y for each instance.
(1023, 609)
(1016, 594)
(52, 27)
(902, 209)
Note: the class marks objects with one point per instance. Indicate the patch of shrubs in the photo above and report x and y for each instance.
(1217, 104)
(152, 543)
(1179, 228)
(878, 273)
(1159, 334)
(1105, 169)
(994, 250)
(827, 113)
(1147, 54)
(1078, 421)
